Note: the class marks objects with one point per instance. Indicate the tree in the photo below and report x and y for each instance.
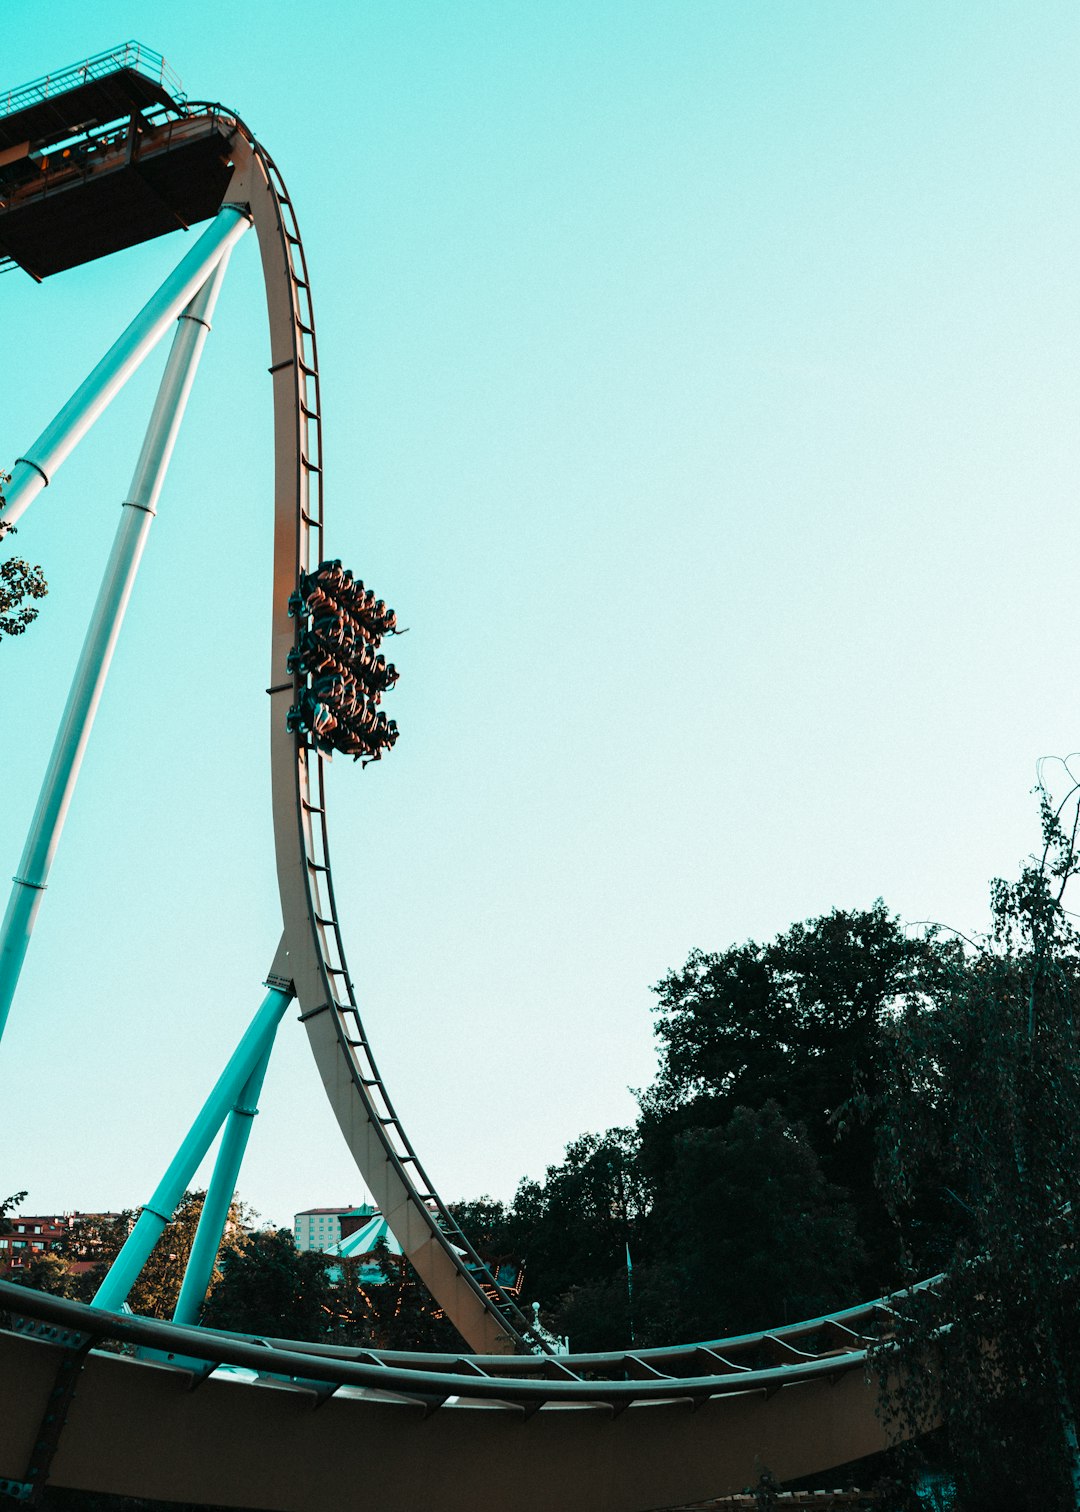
(157, 1287)
(270, 1287)
(798, 1022)
(18, 582)
(46, 1271)
(489, 1227)
(394, 1311)
(754, 1234)
(573, 1228)
(42, 1269)
(8, 1205)
(982, 1096)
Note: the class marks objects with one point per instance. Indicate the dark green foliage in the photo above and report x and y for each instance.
(572, 1230)
(45, 1271)
(271, 1288)
(575, 1225)
(157, 1288)
(483, 1219)
(753, 1234)
(18, 582)
(746, 1193)
(795, 1021)
(798, 1022)
(397, 1312)
(983, 1096)
(97, 1239)
(493, 1229)
(599, 1315)
(8, 1205)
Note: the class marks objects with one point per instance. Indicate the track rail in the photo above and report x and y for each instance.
(622, 1432)
(819, 1349)
(312, 956)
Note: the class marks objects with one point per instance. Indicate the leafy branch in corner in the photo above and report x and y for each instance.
(983, 1103)
(19, 581)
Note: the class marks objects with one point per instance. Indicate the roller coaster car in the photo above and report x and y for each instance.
(103, 156)
(340, 623)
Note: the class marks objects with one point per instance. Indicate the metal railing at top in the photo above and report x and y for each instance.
(97, 150)
(125, 55)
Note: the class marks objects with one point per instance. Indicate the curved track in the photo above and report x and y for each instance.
(616, 1431)
(586, 1433)
(312, 954)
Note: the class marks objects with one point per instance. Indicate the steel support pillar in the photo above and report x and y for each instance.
(245, 1059)
(90, 674)
(219, 1195)
(34, 471)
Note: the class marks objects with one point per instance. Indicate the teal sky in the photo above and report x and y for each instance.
(700, 385)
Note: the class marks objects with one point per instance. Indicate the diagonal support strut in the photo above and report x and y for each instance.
(77, 721)
(34, 471)
(244, 1061)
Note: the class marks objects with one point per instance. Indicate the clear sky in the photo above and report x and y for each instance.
(700, 385)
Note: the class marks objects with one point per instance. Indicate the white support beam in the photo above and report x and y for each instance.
(112, 601)
(36, 469)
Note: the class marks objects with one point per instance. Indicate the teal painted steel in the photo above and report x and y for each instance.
(96, 657)
(215, 1213)
(257, 1039)
(36, 469)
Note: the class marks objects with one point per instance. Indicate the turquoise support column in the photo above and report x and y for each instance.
(215, 1213)
(113, 1291)
(37, 468)
(95, 659)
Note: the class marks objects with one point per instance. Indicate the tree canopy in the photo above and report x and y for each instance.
(19, 582)
(798, 1023)
(982, 1097)
(268, 1286)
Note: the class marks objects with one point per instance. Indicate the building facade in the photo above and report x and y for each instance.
(32, 1234)
(319, 1228)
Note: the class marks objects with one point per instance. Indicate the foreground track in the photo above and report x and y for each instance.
(290, 1427)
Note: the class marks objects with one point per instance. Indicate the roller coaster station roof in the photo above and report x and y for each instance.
(118, 128)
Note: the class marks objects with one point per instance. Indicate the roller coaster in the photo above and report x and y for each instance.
(94, 159)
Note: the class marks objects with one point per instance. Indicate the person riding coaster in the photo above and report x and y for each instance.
(329, 573)
(341, 622)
